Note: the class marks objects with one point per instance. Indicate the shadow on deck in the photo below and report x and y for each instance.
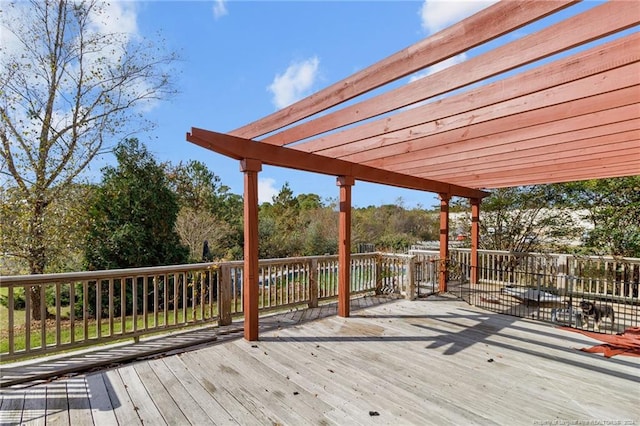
(431, 361)
(33, 371)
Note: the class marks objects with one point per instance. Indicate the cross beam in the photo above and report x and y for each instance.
(240, 148)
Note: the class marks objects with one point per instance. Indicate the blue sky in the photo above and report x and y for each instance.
(241, 60)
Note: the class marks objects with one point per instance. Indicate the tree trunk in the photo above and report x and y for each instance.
(37, 255)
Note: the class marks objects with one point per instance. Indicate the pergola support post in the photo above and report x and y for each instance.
(444, 241)
(250, 168)
(475, 238)
(344, 245)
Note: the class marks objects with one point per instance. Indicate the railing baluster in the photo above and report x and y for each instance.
(43, 317)
(165, 300)
(185, 286)
(123, 305)
(85, 310)
(58, 315)
(11, 313)
(72, 312)
(203, 284)
(111, 307)
(27, 318)
(156, 300)
(134, 303)
(98, 308)
(145, 302)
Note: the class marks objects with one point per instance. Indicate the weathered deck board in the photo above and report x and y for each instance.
(192, 411)
(138, 392)
(200, 395)
(437, 361)
(79, 401)
(344, 386)
(102, 411)
(383, 384)
(169, 409)
(123, 407)
(231, 404)
(35, 408)
(11, 409)
(289, 395)
(57, 404)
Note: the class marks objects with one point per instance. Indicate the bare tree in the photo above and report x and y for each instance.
(197, 226)
(69, 86)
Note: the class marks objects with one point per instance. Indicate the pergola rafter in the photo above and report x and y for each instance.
(483, 27)
(538, 109)
(565, 35)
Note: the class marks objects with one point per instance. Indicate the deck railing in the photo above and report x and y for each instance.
(96, 307)
(549, 287)
(596, 275)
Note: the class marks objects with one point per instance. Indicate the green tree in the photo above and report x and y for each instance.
(393, 227)
(523, 219)
(280, 228)
(612, 206)
(195, 185)
(319, 226)
(132, 219)
(133, 214)
(208, 211)
(64, 224)
(67, 85)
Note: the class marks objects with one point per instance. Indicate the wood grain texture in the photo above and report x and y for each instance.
(430, 361)
(538, 45)
(484, 26)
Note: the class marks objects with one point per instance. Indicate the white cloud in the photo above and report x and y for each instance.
(295, 83)
(9, 43)
(266, 190)
(454, 60)
(220, 9)
(439, 14)
(119, 17)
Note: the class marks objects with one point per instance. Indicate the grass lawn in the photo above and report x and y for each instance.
(4, 314)
(106, 328)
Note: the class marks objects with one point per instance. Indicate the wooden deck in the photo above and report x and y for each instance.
(431, 361)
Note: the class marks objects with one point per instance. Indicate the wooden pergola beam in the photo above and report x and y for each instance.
(484, 26)
(514, 132)
(566, 34)
(619, 158)
(240, 148)
(596, 60)
(607, 153)
(567, 144)
(566, 174)
(566, 95)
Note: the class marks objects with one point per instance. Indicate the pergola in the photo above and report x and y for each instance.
(572, 117)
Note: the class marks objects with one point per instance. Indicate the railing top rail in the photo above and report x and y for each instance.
(301, 259)
(398, 255)
(515, 253)
(98, 275)
(20, 280)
